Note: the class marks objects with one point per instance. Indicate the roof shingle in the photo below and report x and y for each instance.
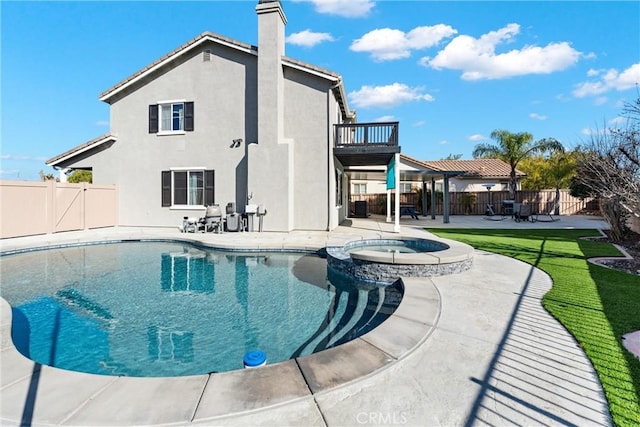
(476, 168)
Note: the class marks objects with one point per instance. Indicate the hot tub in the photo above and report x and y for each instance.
(385, 260)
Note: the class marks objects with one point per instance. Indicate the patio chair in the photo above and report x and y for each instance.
(547, 214)
(523, 213)
(213, 219)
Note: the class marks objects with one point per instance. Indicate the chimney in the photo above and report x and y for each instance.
(270, 174)
(271, 23)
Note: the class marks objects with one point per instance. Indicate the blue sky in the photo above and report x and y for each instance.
(449, 72)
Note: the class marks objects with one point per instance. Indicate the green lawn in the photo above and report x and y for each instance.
(597, 305)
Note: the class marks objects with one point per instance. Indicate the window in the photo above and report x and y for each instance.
(171, 117)
(406, 187)
(182, 187)
(359, 188)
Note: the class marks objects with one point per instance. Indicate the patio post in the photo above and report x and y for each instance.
(424, 197)
(396, 227)
(445, 202)
(388, 205)
(433, 197)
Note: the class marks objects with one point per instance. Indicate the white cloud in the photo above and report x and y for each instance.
(477, 57)
(596, 131)
(308, 38)
(102, 123)
(617, 121)
(386, 44)
(607, 80)
(477, 137)
(537, 116)
(419, 123)
(387, 96)
(344, 8)
(5, 172)
(385, 119)
(22, 157)
(443, 142)
(600, 100)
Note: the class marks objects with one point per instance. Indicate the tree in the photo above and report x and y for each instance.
(80, 175)
(47, 176)
(562, 169)
(555, 171)
(512, 148)
(609, 169)
(453, 157)
(536, 169)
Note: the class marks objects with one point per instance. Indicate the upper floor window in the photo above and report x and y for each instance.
(171, 117)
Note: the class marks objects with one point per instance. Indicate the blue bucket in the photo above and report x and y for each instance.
(254, 359)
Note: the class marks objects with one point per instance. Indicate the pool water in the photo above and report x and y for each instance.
(170, 309)
(408, 246)
(387, 248)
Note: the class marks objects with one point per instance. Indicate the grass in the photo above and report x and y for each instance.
(597, 305)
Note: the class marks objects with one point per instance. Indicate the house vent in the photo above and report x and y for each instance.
(206, 55)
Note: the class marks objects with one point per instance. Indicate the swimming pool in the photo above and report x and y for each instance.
(174, 309)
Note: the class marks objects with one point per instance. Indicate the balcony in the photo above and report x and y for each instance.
(365, 144)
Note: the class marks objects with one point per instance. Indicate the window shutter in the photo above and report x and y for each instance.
(166, 188)
(153, 118)
(188, 116)
(209, 187)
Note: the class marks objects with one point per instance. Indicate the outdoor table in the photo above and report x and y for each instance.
(408, 210)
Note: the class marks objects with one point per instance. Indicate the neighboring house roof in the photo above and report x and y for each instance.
(450, 170)
(96, 142)
(476, 168)
(208, 36)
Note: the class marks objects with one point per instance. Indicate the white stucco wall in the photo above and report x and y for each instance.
(308, 101)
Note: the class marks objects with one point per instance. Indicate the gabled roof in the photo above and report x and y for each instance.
(208, 36)
(191, 44)
(96, 142)
(476, 168)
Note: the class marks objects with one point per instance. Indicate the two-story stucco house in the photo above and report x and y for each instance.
(218, 121)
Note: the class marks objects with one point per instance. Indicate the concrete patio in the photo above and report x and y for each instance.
(474, 348)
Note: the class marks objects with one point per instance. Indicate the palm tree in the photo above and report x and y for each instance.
(512, 148)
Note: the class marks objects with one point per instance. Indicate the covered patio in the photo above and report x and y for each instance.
(411, 170)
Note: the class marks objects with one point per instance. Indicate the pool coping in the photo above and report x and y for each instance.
(79, 398)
